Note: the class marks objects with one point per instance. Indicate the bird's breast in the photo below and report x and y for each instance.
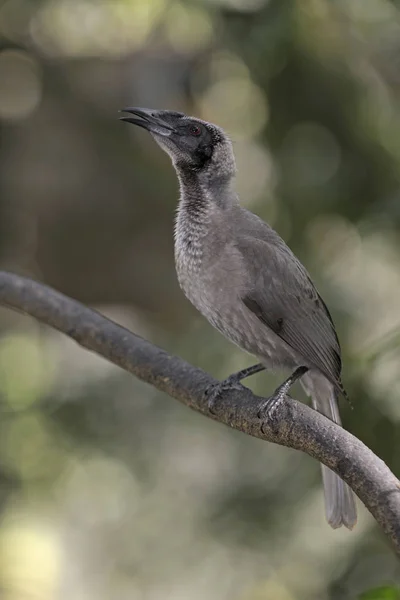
(215, 284)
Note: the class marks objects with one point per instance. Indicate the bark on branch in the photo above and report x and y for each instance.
(293, 424)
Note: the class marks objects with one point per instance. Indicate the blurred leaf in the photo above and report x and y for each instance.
(382, 593)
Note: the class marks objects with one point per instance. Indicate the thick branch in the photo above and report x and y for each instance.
(293, 424)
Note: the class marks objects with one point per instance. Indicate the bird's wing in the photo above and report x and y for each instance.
(284, 298)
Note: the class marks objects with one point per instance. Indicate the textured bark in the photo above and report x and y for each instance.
(293, 424)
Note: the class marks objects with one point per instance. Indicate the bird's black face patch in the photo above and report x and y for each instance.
(194, 143)
(190, 142)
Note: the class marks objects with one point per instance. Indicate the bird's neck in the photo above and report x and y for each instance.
(200, 199)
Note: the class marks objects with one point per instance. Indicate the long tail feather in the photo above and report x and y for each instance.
(340, 506)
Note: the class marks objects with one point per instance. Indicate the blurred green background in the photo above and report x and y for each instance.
(110, 490)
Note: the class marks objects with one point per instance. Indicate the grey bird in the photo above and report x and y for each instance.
(240, 274)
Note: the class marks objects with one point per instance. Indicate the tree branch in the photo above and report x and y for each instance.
(293, 424)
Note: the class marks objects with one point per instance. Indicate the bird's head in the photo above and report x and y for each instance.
(195, 146)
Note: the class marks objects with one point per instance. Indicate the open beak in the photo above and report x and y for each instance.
(148, 119)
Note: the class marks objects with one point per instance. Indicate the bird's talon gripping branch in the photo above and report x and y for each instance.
(216, 390)
(269, 406)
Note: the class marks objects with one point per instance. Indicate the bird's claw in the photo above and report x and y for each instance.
(269, 406)
(215, 391)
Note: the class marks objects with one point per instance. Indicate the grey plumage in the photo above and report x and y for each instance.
(244, 279)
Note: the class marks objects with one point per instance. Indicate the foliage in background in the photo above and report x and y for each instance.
(382, 593)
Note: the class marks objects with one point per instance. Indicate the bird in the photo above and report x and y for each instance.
(243, 278)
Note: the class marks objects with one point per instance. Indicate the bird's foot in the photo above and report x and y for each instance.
(269, 406)
(215, 390)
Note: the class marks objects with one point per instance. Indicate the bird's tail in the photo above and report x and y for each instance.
(340, 506)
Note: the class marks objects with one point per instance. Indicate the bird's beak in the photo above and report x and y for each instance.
(148, 119)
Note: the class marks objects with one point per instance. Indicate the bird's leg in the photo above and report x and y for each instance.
(271, 403)
(214, 391)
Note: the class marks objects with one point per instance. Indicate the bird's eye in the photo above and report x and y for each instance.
(194, 130)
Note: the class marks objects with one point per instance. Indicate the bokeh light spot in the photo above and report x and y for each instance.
(104, 490)
(23, 354)
(242, 5)
(30, 559)
(188, 29)
(370, 11)
(226, 65)
(29, 448)
(85, 28)
(15, 17)
(256, 173)
(236, 104)
(21, 89)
